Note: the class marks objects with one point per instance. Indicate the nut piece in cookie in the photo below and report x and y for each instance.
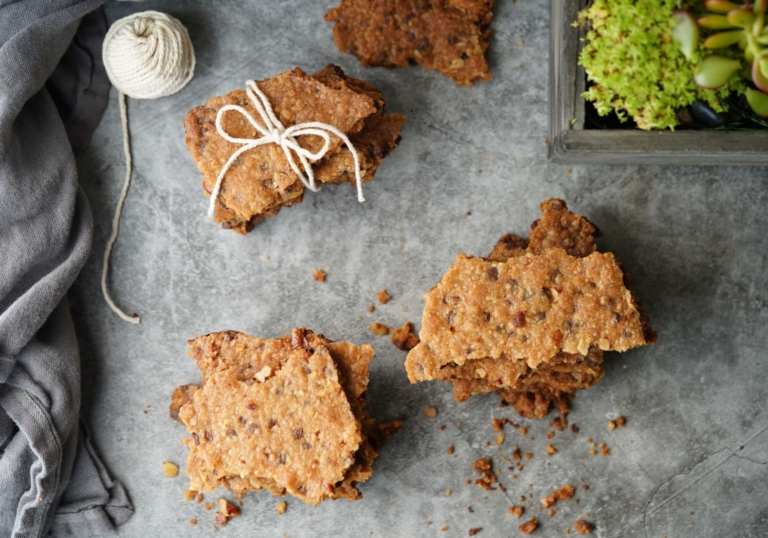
(450, 36)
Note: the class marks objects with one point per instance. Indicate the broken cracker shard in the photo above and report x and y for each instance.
(532, 320)
(261, 179)
(268, 409)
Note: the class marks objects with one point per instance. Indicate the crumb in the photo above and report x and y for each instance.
(604, 449)
(170, 469)
(611, 425)
(442, 426)
(227, 508)
(550, 435)
(390, 428)
(621, 421)
(498, 424)
(403, 337)
(469, 213)
(483, 468)
(516, 511)
(470, 510)
(499, 439)
(450, 449)
(574, 428)
(281, 507)
(208, 506)
(444, 528)
(502, 488)
(378, 329)
(527, 455)
(188, 494)
(144, 411)
(220, 519)
(458, 425)
(593, 452)
(193, 522)
(448, 492)
(199, 498)
(523, 430)
(548, 501)
(371, 308)
(475, 530)
(529, 526)
(552, 512)
(559, 423)
(583, 527)
(487, 443)
(551, 450)
(319, 275)
(429, 522)
(516, 453)
(383, 296)
(585, 487)
(467, 481)
(431, 411)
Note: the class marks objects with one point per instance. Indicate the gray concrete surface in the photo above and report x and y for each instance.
(691, 460)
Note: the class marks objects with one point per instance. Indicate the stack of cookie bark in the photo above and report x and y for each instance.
(283, 414)
(260, 182)
(532, 320)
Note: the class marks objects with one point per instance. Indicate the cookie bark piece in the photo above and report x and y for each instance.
(232, 350)
(564, 373)
(295, 428)
(260, 182)
(537, 403)
(530, 307)
(451, 36)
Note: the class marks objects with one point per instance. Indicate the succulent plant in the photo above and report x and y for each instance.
(733, 25)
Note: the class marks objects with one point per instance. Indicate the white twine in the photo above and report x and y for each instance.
(146, 55)
(274, 132)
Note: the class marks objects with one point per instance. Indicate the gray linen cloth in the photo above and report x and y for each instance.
(52, 93)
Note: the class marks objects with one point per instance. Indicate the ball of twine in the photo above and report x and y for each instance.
(148, 55)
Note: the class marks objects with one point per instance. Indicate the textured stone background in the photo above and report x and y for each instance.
(693, 238)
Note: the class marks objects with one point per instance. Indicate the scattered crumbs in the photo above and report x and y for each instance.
(567, 531)
(429, 522)
(144, 411)
(529, 526)
(170, 469)
(450, 449)
(550, 435)
(593, 452)
(431, 411)
(551, 450)
(527, 455)
(519, 41)
(467, 481)
(621, 422)
(208, 506)
(193, 522)
(584, 487)
(470, 509)
(444, 528)
(267, 257)
(383, 297)
(516, 453)
(498, 424)
(483, 468)
(502, 488)
(189, 494)
(319, 275)
(523, 498)
(442, 426)
(281, 507)
(559, 423)
(390, 428)
(569, 171)
(590, 441)
(469, 213)
(523, 430)
(574, 428)
(403, 337)
(475, 530)
(632, 506)
(458, 425)
(378, 329)
(448, 492)
(583, 527)
(552, 511)
(604, 450)
(611, 425)
(499, 439)
(487, 443)
(371, 308)
(516, 511)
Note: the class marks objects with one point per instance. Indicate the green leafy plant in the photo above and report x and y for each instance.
(639, 57)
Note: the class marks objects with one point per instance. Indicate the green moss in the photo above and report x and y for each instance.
(635, 67)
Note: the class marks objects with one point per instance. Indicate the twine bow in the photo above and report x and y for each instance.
(274, 132)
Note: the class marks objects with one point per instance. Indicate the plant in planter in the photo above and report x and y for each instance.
(646, 61)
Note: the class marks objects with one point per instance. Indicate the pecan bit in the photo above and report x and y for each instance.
(297, 339)
(529, 526)
(390, 428)
(226, 508)
(583, 527)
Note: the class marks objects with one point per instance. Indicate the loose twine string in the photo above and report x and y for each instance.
(146, 55)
